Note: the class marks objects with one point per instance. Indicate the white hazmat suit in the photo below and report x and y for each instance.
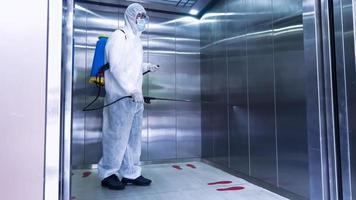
(122, 121)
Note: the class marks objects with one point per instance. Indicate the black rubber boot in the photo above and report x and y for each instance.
(140, 181)
(113, 183)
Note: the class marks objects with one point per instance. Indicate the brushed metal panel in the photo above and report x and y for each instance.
(253, 43)
(161, 130)
(188, 130)
(219, 127)
(162, 83)
(237, 84)
(188, 77)
(261, 92)
(79, 16)
(162, 51)
(101, 17)
(188, 87)
(341, 56)
(206, 56)
(207, 133)
(162, 142)
(93, 120)
(290, 104)
(317, 175)
(219, 88)
(344, 26)
(349, 33)
(188, 59)
(79, 61)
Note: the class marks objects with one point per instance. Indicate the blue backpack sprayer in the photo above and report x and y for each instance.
(97, 78)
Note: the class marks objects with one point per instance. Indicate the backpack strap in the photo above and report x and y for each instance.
(123, 32)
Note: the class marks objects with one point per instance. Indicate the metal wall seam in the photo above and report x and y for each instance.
(227, 96)
(85, 83)
(248, 98)
(274, 94)
(175, 90)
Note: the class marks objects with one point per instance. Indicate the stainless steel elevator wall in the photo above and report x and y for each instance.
(171, 130)
(345, 34)
(253, 91)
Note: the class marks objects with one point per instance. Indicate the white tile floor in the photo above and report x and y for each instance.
(171, 184)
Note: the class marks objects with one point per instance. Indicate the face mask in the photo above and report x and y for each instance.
(141, 25)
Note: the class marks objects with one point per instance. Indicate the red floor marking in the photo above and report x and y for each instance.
(231, 188)
(177, 167)
(191, 166)
(86, 174)
(220, 182)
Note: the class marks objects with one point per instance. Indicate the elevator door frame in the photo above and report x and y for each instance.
(57, 175)
(344, 61)
(326, 53)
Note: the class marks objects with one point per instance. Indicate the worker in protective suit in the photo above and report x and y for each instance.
(122, 122)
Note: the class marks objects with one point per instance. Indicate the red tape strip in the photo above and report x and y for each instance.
(231, 188)
(220, 182)
(191, 166)
(177, 167)
(86, 174)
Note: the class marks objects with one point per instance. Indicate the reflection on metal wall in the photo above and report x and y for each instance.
(345, 21)
(170, 130)
(89, 23)
(253, 89)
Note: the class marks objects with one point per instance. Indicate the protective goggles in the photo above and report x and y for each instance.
(142, 17)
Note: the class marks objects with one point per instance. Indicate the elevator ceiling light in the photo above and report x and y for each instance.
(193, 12)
